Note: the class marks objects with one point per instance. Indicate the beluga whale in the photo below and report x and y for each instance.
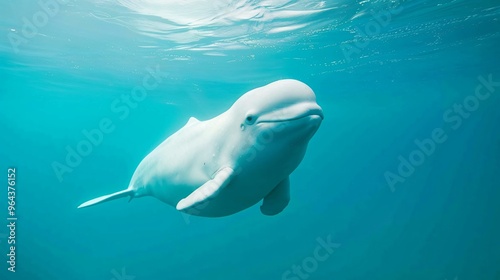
(226, 164)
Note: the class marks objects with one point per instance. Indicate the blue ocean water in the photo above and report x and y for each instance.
(400, 181)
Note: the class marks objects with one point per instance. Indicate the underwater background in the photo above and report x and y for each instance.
(401, 181)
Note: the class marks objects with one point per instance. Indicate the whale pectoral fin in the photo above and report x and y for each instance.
(277, 199)
(207, 191)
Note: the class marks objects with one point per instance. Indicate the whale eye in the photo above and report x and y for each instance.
(250, 119)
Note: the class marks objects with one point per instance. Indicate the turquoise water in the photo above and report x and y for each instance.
(402, 175)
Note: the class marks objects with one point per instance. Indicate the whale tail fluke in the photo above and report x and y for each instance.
(109, 197)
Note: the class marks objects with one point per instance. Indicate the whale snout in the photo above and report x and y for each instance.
(316, 112)
(309, 110)
(295, 112)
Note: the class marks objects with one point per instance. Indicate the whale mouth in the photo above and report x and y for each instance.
(318, 113)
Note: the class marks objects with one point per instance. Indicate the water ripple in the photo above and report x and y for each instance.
(214, 25)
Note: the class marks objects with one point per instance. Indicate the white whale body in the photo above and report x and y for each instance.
(226, 164)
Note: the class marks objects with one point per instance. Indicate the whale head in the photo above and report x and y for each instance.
(276, 121)
(285, 108)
